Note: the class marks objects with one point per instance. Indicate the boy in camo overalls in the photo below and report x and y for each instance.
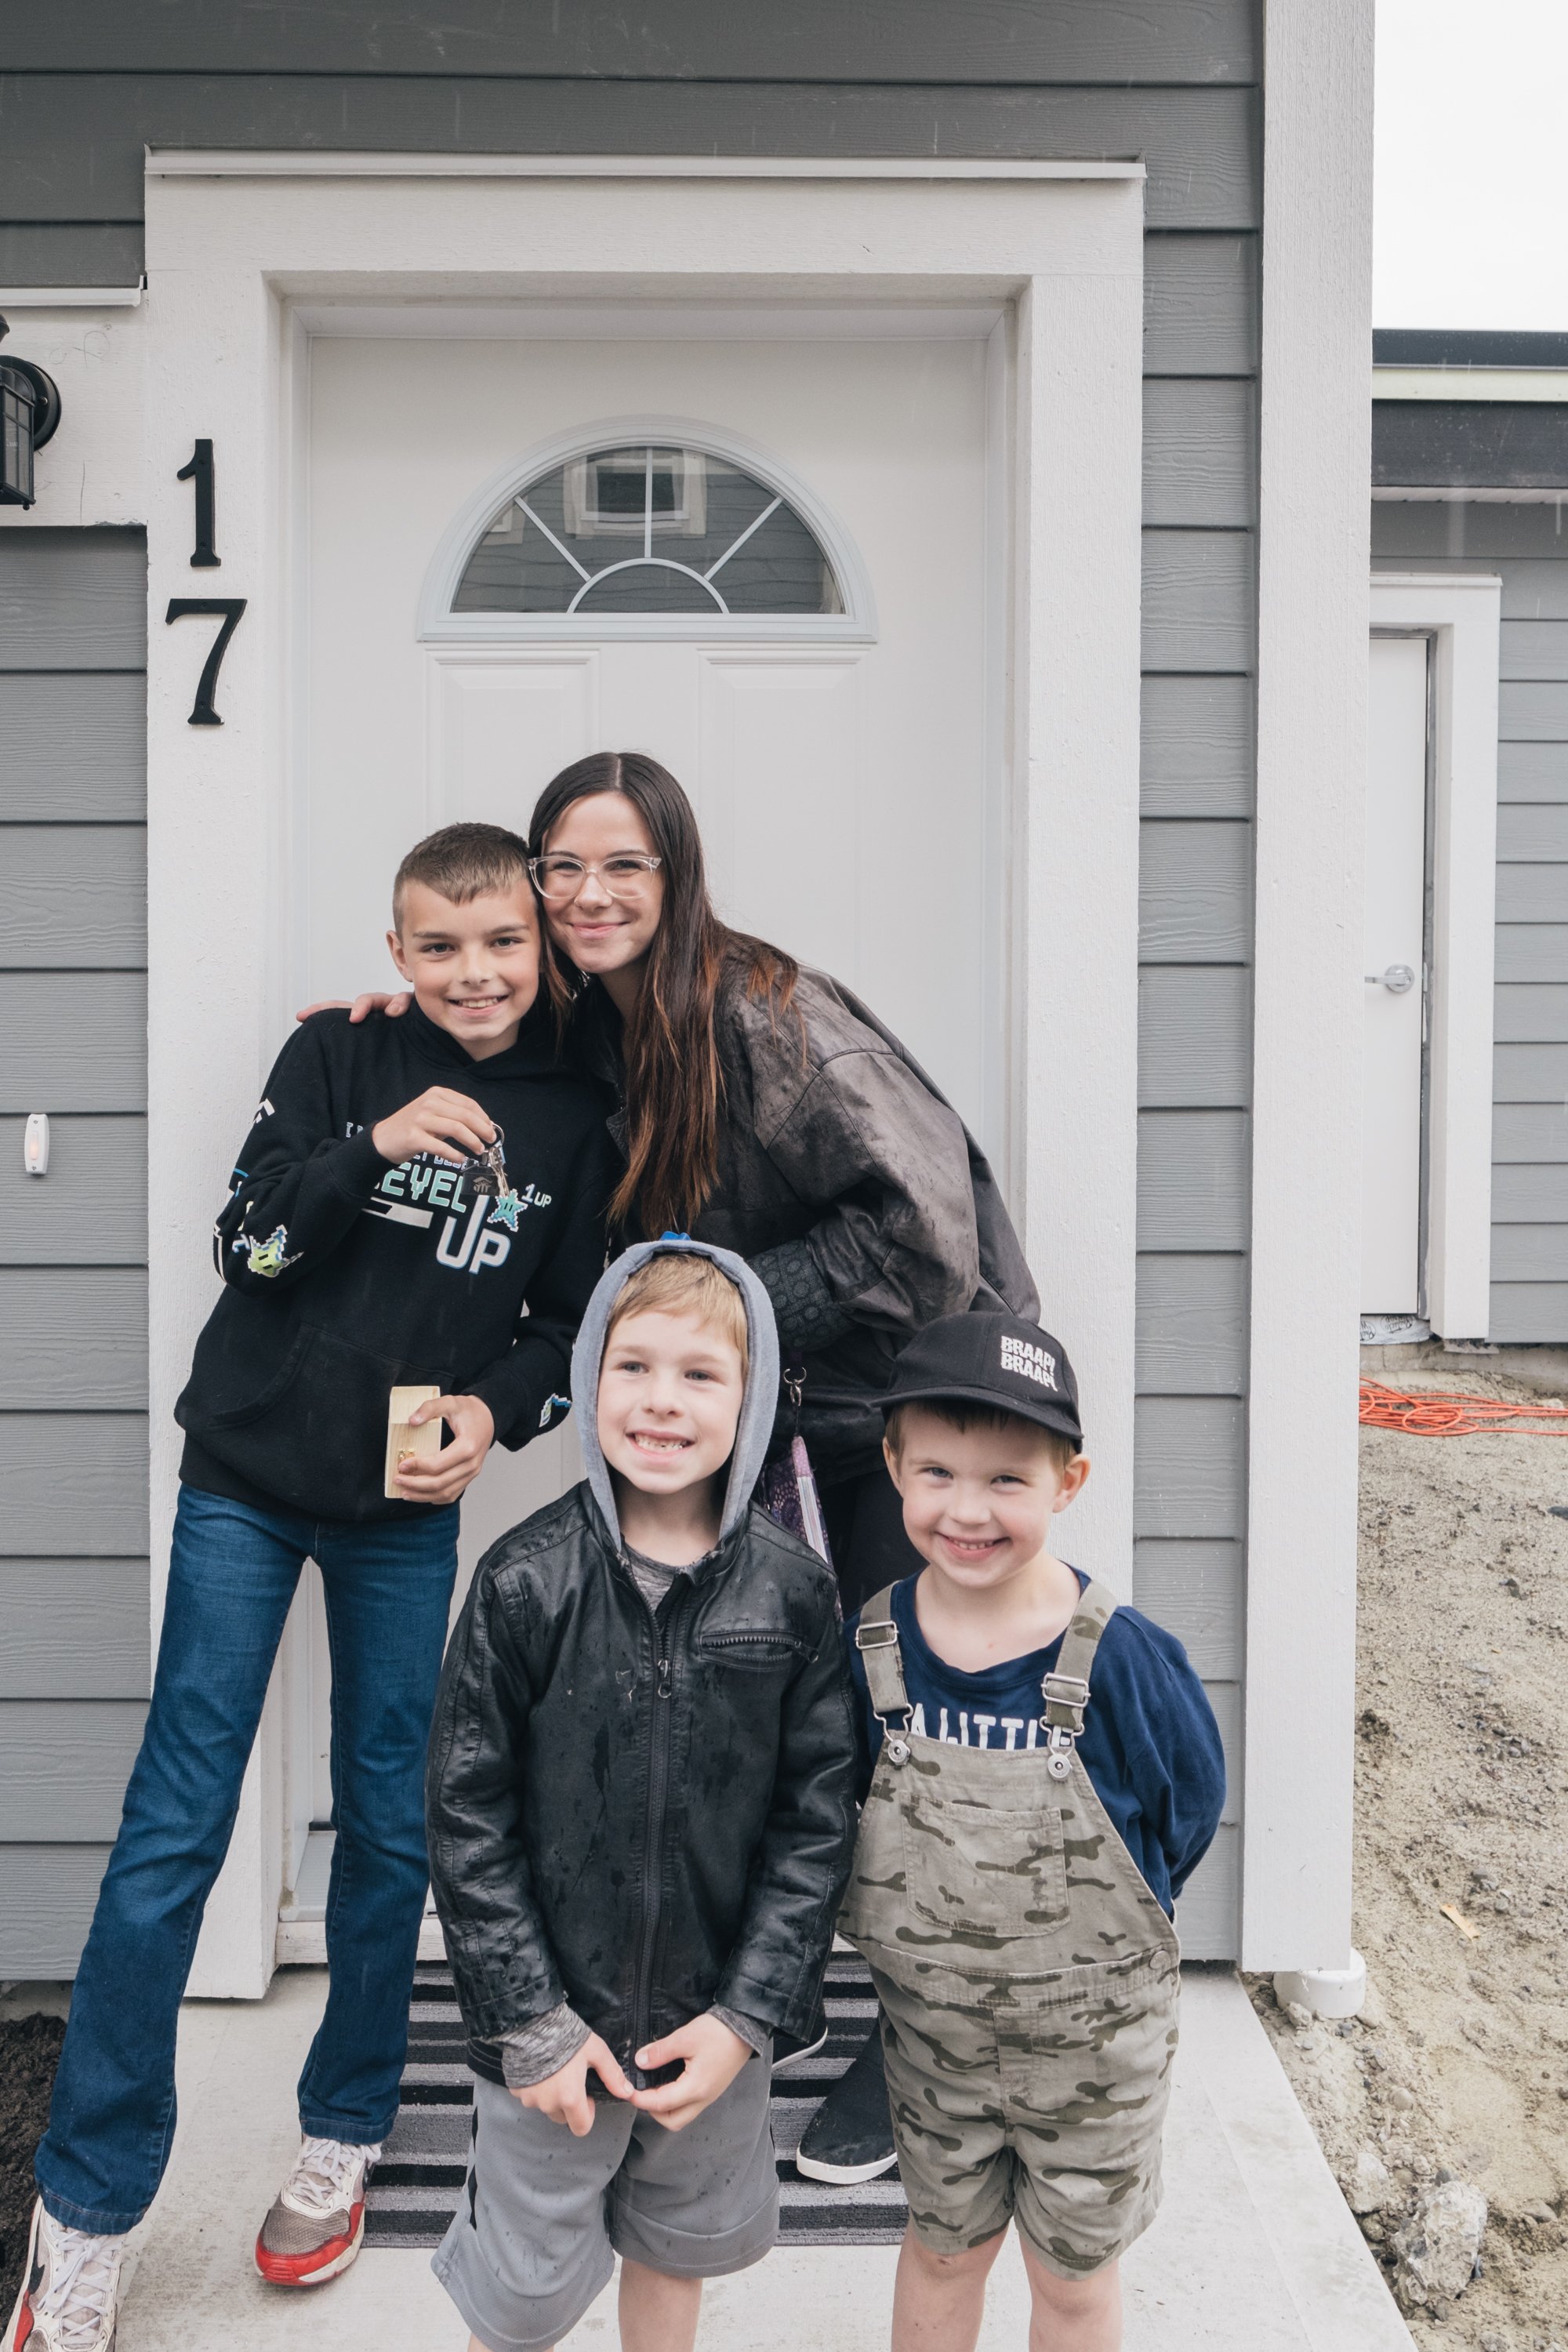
(1041, 1773)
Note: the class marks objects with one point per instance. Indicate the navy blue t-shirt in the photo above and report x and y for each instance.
(1150, 1745)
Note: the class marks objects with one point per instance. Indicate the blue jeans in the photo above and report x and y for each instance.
(232, 1575)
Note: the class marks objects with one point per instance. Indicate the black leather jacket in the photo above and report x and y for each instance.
(641, 1815)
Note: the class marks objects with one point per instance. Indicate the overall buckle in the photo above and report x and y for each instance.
(883, 1634)
(1070, 1694)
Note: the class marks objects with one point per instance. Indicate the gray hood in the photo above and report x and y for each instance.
(757, 1407)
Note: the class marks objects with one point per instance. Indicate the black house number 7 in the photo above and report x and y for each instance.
(230, 608)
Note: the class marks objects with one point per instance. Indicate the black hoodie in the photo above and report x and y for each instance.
(346, 1275)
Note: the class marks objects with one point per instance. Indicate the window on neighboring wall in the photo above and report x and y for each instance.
(645, 530)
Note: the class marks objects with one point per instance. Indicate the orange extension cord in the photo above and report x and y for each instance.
(1456, 1416)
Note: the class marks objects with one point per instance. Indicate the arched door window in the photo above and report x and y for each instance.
(653, 534)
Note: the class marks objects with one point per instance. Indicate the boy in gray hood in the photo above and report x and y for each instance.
(641, 1812)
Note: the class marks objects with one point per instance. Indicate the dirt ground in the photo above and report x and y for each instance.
(1460, 2068)
(28, 2049)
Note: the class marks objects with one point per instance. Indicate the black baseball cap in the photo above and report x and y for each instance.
(996, 1360)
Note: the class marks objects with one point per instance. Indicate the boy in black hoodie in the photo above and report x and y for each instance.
(419, 1201)
(640, 1812)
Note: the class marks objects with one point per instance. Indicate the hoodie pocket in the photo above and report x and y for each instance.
(315, 1434)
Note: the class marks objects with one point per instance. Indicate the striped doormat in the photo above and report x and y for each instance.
(415, 2189)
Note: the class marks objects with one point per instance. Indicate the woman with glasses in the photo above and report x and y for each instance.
(765, 1110)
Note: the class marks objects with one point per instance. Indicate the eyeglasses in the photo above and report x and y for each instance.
(624, 875)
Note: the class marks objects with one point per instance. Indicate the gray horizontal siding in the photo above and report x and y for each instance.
(90, 1209)
(46, 1895)
(73, 1484)
(70, 253)
(1192, 1325)
(64, 1766)
(73, 1041)
(1525, 546)
(1195, 892)
(74, 897)
(1200, 306)
(1208, 1915)
(76, 1337)
(73, 749)
(75, 1629)
(1194, 1039)
(1190, 1478)
(73, 600)
(1199, 453)
(1198, 740)
(1196, 1590)
(1199, 600)
(73, 1244)
(1194, 1170)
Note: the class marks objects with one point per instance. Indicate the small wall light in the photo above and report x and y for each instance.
(29, 412)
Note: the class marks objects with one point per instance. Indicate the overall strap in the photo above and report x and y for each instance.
(877, 1639)
(1066, 1689)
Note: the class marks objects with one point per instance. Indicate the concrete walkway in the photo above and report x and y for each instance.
(1254, 2251)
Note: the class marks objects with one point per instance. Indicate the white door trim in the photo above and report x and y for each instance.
(1061, 246)
(1462, 612)
(1315, 463)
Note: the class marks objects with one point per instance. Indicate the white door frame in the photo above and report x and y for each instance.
(235, 243)
(1462, 615)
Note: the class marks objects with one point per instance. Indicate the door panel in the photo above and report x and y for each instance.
(502, 726)
(1394, 944)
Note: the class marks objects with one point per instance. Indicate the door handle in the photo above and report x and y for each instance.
(1397, 979)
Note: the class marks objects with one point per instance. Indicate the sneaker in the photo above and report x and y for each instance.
(850, 2137)
(316, 2226)
(70, 2290)
(790, 2055)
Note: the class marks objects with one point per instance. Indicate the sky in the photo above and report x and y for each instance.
(1470, 220)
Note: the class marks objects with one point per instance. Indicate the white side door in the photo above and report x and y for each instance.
(1396, 972)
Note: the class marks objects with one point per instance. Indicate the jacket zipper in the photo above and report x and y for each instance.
(653, 1835)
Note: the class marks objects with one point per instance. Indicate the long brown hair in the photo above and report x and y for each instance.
(675, 1081)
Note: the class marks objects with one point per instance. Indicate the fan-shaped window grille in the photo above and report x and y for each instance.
(650, 530)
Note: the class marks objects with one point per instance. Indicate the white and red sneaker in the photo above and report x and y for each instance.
(70, 2290)
(316, 2226)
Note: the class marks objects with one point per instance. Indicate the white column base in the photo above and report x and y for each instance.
(1326, 1992)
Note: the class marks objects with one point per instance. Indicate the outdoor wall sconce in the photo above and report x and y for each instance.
(29, 412)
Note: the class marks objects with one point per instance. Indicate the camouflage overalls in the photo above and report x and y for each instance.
(1028, 1977)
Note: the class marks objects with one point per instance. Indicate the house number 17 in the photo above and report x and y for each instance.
(200, 473)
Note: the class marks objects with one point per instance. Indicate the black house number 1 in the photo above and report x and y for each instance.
(201, 473)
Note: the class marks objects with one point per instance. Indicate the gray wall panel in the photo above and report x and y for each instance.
(817, 40)
(1440, 531)
(76, 1339)
(73, 1042)
(1192, 1325)
(75, 1629)
(1531, 831)
(1536, 589)
(1529, 1314)
(1198, 738)
(1525, 1015)
(1532, 771)
(1195, 892)
(1529, 1131)
(1534, 649)
(1194, 1039)
(1200, 305)
(1190, 1473)
(1533, 951)
(1529, 1193)
(63, 1769)
(73, 600)
(1208, 1916)
(1532, 894)
(1200, 441)
(1531, 713)
(1196, 1592)
(73, 750)
(1194, 1174)
(91, 1207)
(1533, 1253)
(72, 253)
(1199, 600)
(75, 142)
(73, 1484)
(46, 1897)
(1530, 1074)
(73, 897)
(1224, 1697)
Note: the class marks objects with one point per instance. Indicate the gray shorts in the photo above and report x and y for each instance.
(534, 2238)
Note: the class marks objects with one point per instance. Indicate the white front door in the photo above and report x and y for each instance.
(1395, 966)
(849, 787)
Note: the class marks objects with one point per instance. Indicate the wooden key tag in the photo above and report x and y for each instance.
(423, 1439)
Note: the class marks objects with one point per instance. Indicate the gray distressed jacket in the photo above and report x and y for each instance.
(853, 1188)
